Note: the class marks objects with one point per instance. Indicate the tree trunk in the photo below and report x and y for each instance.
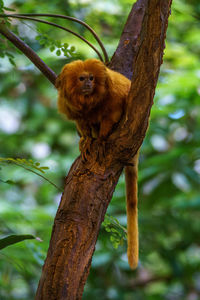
(89, 185)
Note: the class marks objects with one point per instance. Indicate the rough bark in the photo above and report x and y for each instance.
(77, 222)
(89, 186)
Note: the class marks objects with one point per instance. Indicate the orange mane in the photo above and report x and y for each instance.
(67, 83)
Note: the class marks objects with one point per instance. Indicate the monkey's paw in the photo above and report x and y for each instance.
(84, 147)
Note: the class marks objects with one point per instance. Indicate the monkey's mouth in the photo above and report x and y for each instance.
(87, 92)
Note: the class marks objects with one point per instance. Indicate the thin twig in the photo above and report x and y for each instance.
(77, 21)
(17, 16)
(37, 61)
(49, 181)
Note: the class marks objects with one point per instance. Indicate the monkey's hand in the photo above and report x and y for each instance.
(84, 147)
(105, 129)
(101, 153)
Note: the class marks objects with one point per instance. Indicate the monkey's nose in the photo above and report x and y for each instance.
(88, 85)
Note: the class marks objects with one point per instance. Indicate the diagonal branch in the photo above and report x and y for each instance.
(37, 61)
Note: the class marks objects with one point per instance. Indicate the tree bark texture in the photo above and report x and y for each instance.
(89, 185)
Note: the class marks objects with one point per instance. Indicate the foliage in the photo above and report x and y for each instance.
(169, 170)
(13, 239)
(116, 230)
(28, 165)
(24, 162)
(56, 45)
(3, 7)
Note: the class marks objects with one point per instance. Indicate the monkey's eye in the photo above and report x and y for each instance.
(81, 78)
(91, 78)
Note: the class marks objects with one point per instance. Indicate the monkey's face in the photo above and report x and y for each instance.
(86, 83)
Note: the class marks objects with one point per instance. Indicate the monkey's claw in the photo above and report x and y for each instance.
(84, 146)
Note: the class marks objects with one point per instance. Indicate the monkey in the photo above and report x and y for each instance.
(95, 97)
(92, 95)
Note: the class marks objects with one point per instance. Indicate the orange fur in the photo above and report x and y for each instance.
(104, 107)
(95, 98)
(132, 213)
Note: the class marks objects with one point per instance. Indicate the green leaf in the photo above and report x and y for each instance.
(1, 5)
(65, 45)
(38, 37)
(52, 48)
(9, 9)
(113, 230)
(12, 62)
(27, 165)
(44, 168)
(9, 54)
(72, 49)
(66, 54)
(10, 182)
(13, 239)
(58, 44)
(58, 52)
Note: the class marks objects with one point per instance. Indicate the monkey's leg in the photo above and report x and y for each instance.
(132, 212)
(85, 146)
(86, 138)
(83, 128)
(105, 128)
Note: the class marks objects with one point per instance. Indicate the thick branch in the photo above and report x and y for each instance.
(37, 61)
(126, 52)
(89, 186)
(77, 222)
(148, 45)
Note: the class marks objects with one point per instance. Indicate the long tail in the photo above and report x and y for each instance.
(131, 173)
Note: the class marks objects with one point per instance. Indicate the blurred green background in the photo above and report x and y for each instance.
(169, 170)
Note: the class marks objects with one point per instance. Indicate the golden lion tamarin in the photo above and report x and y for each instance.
(95, 98)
